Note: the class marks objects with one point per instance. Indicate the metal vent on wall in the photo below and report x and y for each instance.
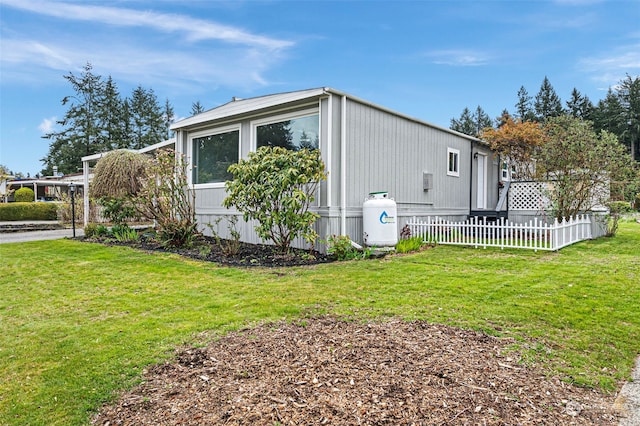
(427, 181)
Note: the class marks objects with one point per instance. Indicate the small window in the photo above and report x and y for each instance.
(212, 156)
(453, 162)
(505, 171)
(295, 134)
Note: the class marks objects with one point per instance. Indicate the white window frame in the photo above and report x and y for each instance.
(507, 171)
(210, 132)
(453, 171)
(278, 118)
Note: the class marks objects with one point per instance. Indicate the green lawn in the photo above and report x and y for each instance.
(80, 321)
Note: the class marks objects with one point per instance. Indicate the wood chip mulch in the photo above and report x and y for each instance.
(336, 372)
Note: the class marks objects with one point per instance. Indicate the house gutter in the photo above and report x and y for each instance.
(343, 166)
(471, 179)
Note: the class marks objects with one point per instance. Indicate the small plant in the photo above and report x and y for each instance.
(116, 210)
(408, 245)
(616, 209)
(91, 230)
(231, 246)
(123, 233)
(24, 195)
(341, 248)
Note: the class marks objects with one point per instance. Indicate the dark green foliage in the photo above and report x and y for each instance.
(28, 211)
(99, 120)
(91, 230)
(471, 123)
(579, 106)
(524, 109)
(275, 187)
(340, 248)
(24, 195)
(147, 121)
(117, 210)
(547, 103)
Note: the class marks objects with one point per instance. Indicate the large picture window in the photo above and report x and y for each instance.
(295, 134)
(212, 156)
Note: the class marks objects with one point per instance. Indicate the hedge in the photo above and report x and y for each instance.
(29, 211)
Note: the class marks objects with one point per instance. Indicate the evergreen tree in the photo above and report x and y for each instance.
(114, 116)
(169, 117)
(481, 120)
(524, 110)
(83, 126)
(547, 103)
(502, 120)
(147, 121)
(579, 106)
(471, 123)
(196, 108)
(629, 96)
(464, 124)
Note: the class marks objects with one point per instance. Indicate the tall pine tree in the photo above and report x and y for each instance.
(547, 103)
(579, 106)
(147, 121)
(524, 110)
(82, 125)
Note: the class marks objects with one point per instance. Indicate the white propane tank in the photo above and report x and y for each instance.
(379, 222)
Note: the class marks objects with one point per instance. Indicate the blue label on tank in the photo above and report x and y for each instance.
(385, 218)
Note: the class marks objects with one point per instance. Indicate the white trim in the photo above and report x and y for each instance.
(481, 188)
(329, 139)
(343, 166)
(456, 169)
(204, 133)
(253, 145)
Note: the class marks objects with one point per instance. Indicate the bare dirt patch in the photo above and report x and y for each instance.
(331, 371)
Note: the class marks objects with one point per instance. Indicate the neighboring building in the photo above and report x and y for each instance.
(428, 170)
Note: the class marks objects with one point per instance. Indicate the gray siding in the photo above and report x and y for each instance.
(384, 152)
(390, 153)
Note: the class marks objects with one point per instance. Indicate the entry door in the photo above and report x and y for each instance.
(481, 196)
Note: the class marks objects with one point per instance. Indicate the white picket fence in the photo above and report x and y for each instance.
(478, 232)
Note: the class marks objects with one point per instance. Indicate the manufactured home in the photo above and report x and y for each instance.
(428, 170)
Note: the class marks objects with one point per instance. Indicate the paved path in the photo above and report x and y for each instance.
(628, 400)
(19, 237)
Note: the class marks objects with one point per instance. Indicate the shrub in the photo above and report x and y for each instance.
(275, 187)
(91, 230)
(616, 209)
(117, 210)
(340, 248)
(165, 197)
(65, 209)
(119, 174)
(28, 211)
(24, 195)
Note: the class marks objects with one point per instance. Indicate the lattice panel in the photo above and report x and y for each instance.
(528, 196)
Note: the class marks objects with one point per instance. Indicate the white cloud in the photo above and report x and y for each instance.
(192, 28)
(47, 125)
(611, 67)
(458, 57)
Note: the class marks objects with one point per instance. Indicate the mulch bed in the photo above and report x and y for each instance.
(249, 255)
(331, 371)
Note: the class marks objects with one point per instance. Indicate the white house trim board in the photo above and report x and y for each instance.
(481, 197)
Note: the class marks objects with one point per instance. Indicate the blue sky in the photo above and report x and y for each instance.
(426, 59)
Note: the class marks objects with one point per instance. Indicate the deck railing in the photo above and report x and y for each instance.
(479, 232)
